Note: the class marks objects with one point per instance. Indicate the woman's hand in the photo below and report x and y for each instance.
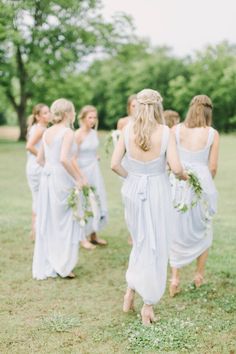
(184, 176)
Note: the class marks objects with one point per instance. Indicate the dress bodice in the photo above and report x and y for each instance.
(201, 156)
(31, 157)
(153, 167)
(53, 150)
(88, 149)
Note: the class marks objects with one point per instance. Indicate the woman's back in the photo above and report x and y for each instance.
(151, 162)
(194, 143)
(53, 139)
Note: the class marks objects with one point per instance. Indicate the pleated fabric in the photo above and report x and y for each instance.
(148, 211)
(89, 164)
(57, 233)
(194, 233)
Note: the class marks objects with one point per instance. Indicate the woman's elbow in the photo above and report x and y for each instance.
(114, 166)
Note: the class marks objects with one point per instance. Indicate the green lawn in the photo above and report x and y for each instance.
(84, 315)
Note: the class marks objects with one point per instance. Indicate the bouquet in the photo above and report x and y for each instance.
(84, 203)
(186, 194)
(111, 140)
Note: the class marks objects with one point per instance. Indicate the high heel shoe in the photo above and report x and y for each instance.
(198, 280)
(128, 303)
(174, 287)
(147, 315)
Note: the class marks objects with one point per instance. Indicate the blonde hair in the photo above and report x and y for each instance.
(148, 113)
(59, 108)
(84, 111)
(171, 117)
(130, 100)
(32, 119)
(200, 112)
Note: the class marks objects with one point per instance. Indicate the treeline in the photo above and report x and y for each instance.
(108, 83)
(65, 48)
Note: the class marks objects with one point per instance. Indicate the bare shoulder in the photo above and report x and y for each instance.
(78, 136)
(122, 122)
(216, 137)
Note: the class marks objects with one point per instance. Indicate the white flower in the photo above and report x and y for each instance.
(76, 191)
(82, 223)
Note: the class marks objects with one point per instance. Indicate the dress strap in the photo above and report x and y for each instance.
(211, 135)
(177, 133)
(165, 139)
(126, 137)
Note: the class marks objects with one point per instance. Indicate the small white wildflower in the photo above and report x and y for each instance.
(82, 222)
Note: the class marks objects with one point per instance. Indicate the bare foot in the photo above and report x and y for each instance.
(128, 300)
(130, 241)
(147, 315)
(32, 235)
(198, 280)
(174, 287)
(87, 245)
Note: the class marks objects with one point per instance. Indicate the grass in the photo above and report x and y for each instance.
(83, 315)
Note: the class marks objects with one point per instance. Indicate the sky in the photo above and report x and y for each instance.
(184, 25)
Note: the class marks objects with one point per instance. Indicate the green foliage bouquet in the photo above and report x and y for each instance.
(188, 193)
(84, 203)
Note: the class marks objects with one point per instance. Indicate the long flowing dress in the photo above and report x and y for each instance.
(193, 233)
(33, 170)
(57, 233)
(148, 211)
(89, 165)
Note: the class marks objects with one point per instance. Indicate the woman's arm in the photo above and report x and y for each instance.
(40, 157)
(173, 158)
(65, 157)
(34, 139)
(79, 172)
(214, 154)
(117, 157)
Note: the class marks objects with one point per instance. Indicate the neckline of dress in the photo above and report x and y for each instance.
(152, 160)
(54, 138)
(193, 151)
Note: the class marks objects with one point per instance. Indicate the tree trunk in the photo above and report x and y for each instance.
(22, 122)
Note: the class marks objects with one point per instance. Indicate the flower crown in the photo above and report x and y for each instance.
(149, 96)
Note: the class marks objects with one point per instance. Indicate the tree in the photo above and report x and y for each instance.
(44, 41)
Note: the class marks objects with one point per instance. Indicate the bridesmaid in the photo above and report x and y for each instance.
(37, 124)
(198, 146)
(148, 145)
(122, 122)
(171, 118)
(57, 233)
(88, 162)
(131, 104)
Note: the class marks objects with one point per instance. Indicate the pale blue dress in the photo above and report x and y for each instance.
(193, 233)
(57, 233)
(148, 210)
(33, 169)
(88, 162)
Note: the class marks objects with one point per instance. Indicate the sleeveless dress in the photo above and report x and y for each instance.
(57, 233)
(33, 170)
(193, 233)
(148, 210)
(88, 163)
